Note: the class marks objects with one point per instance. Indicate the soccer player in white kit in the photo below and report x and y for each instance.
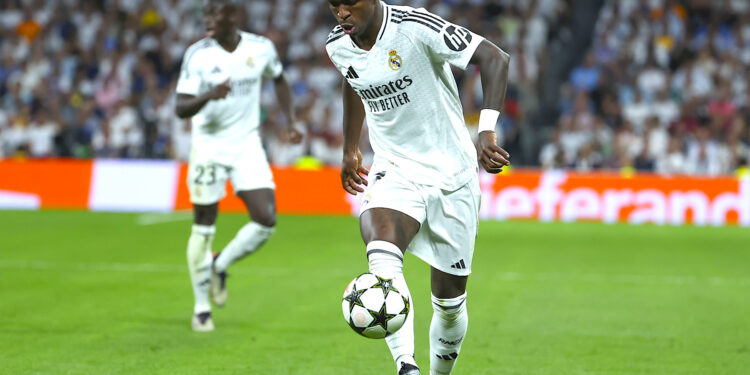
(423, 192)
(219, 88)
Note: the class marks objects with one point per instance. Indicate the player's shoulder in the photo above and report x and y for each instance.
(254, 38)
(415, 20)
(336, 35)
(256, 44)
(197, 48)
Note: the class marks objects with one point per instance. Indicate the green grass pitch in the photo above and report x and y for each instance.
(101, 293)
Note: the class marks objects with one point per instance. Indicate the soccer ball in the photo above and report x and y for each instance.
(373, 307)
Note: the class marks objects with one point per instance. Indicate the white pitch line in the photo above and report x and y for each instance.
(505, 276)
(623, 279)
(156, 218)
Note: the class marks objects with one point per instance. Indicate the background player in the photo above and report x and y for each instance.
(219, 87)
(423, 191)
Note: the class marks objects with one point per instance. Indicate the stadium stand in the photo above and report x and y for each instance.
(95, 78)
(664, 88)
(658, 85)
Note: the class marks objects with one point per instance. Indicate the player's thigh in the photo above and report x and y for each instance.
(251, 170)
(261, 205)
(392, 209)
(446, 240)
(206, 181)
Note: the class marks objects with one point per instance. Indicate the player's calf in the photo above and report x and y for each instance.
(450, 321)
(247, 241)
(199, 264)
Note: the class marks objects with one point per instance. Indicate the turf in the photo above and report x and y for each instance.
(100, 293)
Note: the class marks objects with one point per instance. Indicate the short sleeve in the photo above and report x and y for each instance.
(444, 41)
(274, 67)
(190, 77)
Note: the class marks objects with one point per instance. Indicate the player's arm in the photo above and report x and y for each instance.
(351, 165)
(284, 95)
(493, 71)
(188, 105)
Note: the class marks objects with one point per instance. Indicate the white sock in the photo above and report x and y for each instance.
(249, 239)
(199, 264)
(447, 330)
(387, 260)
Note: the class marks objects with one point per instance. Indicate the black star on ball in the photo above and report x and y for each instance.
(385, 284)
(381, 318)
(354, 298)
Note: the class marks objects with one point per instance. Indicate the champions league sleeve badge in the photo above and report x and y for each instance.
(394, 60)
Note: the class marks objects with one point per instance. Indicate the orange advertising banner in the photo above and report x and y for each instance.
(127, 185)
(45, 183)
(297, 192)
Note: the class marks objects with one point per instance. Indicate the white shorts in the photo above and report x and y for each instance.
(448, 219)
(207, 178)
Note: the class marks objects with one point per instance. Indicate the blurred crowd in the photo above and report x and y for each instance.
(96, 78)
(665, 88)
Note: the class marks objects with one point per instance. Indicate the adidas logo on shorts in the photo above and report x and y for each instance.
(460, 265)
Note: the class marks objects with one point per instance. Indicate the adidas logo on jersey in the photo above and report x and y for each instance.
(215, 70)
(351, 73)
(460, 265)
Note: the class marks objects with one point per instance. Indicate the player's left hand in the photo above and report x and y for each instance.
(293, 135)
(491, 156)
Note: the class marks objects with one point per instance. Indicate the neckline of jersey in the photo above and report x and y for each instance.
(386, 15)
(239, 34)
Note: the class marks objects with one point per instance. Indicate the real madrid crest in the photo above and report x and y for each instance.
(249, 62)
(394, 60)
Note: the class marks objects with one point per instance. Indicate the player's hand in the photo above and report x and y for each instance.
(351, 173)
(220, 91)
(491, 156)
(293, 135)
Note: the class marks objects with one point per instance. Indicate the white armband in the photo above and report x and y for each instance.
(488, 120)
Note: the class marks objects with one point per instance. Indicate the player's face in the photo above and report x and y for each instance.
(354, 16)
(219, 19)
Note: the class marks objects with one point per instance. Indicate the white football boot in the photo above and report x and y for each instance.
(202, 322)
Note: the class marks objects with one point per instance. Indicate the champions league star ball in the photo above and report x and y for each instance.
(373, 307)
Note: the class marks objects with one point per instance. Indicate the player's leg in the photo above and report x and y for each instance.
(261, 205)
(253, 181)
(450, 320)
(206, 183)
(453, 220)
(199, 263)
(387, 233)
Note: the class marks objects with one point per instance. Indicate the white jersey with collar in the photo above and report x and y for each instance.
(222, 127)
(411, 101)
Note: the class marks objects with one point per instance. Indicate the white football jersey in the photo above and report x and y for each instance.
(411, 100)
(223, 126)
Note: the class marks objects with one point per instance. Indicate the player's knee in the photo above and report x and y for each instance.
(449, 309)
(379, 230)
(266, 219)
(204, 215)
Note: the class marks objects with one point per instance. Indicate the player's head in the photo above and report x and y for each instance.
(357, 17)
(220, 17)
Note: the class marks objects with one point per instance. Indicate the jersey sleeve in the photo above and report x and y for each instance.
(189, 81)
(274, 67)
(442, 40)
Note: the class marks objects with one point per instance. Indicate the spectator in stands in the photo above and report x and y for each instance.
(586, 77)
(87, 57)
